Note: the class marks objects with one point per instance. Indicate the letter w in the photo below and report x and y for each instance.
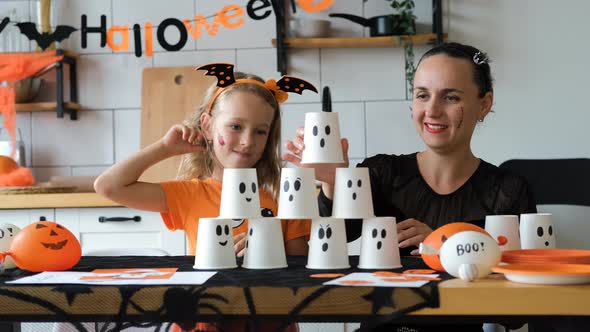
(200, 22)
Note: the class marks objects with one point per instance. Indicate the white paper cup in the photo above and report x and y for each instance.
(322, 139)
(298, 197)
(215, 245)
(352, 194)
(327, 245)
(7, 233)
(239, 194)
(379, 245)
(504, 229)
(537, 231)
(264, 246)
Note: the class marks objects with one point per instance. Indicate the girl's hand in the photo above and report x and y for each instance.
(411, 232)
(240, 244)
(182, 139)
(323, 172)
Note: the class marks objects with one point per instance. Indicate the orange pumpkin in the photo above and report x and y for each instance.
(439, 236)
(7, 165)
(45, 246)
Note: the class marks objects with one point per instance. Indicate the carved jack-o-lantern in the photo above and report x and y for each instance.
(436, 239)
(45, 246)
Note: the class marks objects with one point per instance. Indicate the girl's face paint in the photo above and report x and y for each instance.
(220, 140)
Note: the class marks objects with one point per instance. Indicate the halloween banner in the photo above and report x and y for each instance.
(140, 35)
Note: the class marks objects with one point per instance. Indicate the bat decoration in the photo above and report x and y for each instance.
(223, 71)
(45, 39)
(225, 77)
(4, 23)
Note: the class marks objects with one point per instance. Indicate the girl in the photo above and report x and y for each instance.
(236, 126)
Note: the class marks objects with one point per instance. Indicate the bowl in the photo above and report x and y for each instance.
(27, 89)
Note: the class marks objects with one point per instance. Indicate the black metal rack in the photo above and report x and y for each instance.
(279, 10)
(61, 106)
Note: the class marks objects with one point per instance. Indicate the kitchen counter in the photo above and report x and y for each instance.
(70, 200)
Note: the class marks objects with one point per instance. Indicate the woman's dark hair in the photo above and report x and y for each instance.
(482, 75)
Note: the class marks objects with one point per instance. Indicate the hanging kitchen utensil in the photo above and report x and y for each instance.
(326, 100)
(384, 25)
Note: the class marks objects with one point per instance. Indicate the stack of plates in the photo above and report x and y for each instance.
(546, 266)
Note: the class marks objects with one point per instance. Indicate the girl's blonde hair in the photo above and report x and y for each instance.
(200, 164)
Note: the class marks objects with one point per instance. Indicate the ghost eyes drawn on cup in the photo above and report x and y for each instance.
(220, 230)
(296, 187)
(316, 132)
(350, 184)
(243, 190)
(325, 233)
(375, 235)
(545, 235)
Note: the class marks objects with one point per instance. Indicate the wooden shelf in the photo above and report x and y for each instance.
(359, 42)
(38, 201)
(45, 106)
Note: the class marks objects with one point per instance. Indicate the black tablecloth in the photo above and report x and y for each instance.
(287, 294)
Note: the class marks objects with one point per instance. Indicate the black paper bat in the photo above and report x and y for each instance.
(4, 23)
(45, 39)
(223, 71)
(295, 85)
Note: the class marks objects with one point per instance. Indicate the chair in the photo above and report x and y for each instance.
(560, 187)
(67, 327)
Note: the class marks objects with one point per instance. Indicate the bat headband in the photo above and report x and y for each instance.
(225, 78)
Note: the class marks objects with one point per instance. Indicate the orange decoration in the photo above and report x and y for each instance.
(440, 235)
(327, 275)
(386, 274)
(419, 271)
(44, 246)
(12, 175)
(356, 282)
(7, 165)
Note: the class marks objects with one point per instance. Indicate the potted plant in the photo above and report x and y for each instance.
(404, 10)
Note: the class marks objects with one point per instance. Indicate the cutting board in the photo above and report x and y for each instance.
(168, 96)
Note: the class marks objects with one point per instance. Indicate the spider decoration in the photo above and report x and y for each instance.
(182, 306)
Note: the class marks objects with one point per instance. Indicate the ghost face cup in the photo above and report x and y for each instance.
(352, 194)
(297, 197)
(537, 231)
(379, 246)
(264, 246)
(327, 244)
(322, 139)
(215, 245)
(239, 194)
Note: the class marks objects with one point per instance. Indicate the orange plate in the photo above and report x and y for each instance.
(561, 256)
(545, 269)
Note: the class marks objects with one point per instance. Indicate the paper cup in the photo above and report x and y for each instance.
(352, 194)
(239, 194)
(327, 244)
(322, 139)
(537, 231)
(215, 245)
(264, 246)
(379, 245)
(298, 197)
(7, 233)
(504, 229)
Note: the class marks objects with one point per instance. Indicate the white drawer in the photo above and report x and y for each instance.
(97, 220)
(23, 217)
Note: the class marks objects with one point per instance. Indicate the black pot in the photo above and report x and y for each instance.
(384, 25)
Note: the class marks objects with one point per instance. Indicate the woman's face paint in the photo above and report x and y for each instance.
(461, 118)
(220, 140)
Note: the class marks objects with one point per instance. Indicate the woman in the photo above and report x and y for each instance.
(446, 182)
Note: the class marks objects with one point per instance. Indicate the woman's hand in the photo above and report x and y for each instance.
(240, 244)
(411, 232)
(323, 172)
(182, 139)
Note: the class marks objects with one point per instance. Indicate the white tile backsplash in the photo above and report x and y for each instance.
(88, 170)
(62, 142)
(44, 174)
(127, 133)
(193, 58)
(391, 129)
(71, 12)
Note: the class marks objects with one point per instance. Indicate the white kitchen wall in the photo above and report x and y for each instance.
(539, 62)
